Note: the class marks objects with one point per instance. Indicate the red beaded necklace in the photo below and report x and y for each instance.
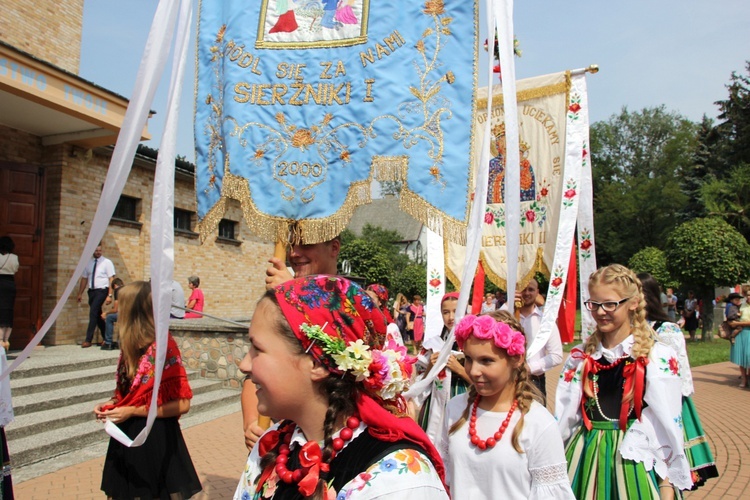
(483, 444)
(310, 457)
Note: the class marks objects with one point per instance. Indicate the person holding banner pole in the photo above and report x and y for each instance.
(318, 258)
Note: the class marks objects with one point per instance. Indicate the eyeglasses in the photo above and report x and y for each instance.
(609, 307)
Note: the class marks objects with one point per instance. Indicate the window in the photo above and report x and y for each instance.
(227, 229)
(126, 209)
(183, 219)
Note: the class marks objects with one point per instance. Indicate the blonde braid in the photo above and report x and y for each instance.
(525, 394)
(627, 284)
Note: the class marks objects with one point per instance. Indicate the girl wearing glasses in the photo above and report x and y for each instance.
(618, 402)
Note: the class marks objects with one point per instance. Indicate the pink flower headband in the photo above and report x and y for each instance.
(486, 328)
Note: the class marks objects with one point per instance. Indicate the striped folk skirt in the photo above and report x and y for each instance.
(597, 470)
(698, 452)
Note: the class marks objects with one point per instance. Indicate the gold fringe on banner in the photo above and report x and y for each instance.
(539, 266)
(448, 227)
(308, 231)
(529, 94)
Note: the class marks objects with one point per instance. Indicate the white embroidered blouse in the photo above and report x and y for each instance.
(501, 472)
(656, 439)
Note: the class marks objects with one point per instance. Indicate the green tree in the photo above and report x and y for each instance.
(413, 279)
(653, 261)
(367, 261)
(637, 193)
(729, 198)
(705, 253)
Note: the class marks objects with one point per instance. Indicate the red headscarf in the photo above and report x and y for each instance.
(346, 313)
(382, 293)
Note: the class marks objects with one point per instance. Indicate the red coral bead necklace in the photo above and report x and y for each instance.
(490, 442)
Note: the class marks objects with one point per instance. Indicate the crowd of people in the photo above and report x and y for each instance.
(337, 425)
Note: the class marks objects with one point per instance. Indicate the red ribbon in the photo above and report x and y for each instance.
(635, 380)
(310, 457)
(268, 442)
(588, 366)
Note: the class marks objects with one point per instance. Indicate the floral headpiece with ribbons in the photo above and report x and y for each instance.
(487, 328)
(340, 326)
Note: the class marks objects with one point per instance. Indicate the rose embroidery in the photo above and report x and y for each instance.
(530, 215)
(586, 244)
(556, 282)
(674, 366)
(570, 193)
(489, 218)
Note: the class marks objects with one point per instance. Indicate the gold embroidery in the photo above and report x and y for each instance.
(539, 266)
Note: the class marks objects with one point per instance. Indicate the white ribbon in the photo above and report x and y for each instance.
(473, 232)
(575, 129)
(435, 270)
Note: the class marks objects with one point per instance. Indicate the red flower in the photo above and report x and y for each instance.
(544, 191)
(585, 244)
(569, 374)
(489, 218)
(530, 215)
(434, 282)
(574, 108)
(556, 282)
(570, 193)
(674, 366)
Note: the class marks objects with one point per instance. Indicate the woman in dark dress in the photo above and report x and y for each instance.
(161, 467)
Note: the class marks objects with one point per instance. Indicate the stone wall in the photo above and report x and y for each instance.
(212, 347)
(47, 29)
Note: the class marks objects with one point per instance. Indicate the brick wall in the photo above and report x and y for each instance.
(48, 29)
(232, 275)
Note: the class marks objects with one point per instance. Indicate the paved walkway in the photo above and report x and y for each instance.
(219, 454)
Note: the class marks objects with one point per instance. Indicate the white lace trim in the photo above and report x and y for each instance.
(550, 474)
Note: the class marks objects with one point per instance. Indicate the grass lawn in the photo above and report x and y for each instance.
(699, 353)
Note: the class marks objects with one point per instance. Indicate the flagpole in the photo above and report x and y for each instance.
(593, 69)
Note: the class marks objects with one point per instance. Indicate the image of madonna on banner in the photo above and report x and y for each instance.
(542, 106)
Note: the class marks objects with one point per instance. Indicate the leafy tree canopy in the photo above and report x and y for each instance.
(653, 261)
(708, 252)
(637, 194)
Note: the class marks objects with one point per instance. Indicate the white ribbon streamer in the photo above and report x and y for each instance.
(574, 144)
(147, 80)
(435, 270)
(473, 233)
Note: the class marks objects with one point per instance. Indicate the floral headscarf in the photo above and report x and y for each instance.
(382, 293)
(340, 326)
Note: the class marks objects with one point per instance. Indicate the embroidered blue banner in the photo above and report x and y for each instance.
(300, 104)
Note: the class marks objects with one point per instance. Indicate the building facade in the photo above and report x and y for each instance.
(56, 136)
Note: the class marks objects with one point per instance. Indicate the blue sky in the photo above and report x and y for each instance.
(677, 53)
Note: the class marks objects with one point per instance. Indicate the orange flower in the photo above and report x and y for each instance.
(302, 138)
(411, 458)
(434, 171)
(259, 154)
(434, 7)
(346, 156)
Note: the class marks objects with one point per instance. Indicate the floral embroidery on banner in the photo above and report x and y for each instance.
(557, 281)
(434, 283)
(585, 244)
(574, 108)
(494, 216)
(570, 193)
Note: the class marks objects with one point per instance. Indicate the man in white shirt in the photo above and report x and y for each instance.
(98, 276)
(551, 354)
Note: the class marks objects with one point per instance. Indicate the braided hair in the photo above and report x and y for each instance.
(628, 285)
(340, 392)
(525, 392)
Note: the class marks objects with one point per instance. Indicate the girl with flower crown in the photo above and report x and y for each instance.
(481, 460)
(323, 370)
(619, 400)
